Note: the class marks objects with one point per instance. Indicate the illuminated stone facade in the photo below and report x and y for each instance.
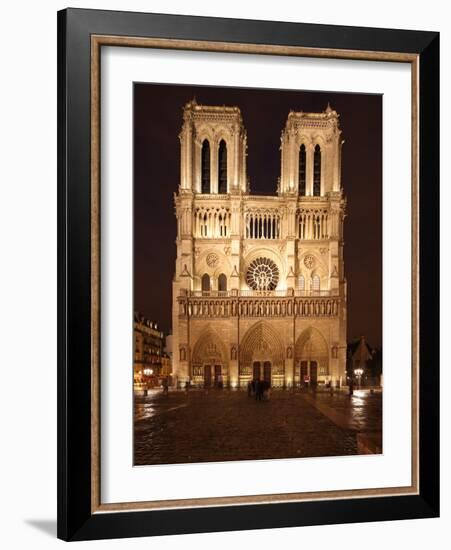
(259, 288)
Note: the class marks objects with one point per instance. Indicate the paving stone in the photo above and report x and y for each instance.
(211, 426)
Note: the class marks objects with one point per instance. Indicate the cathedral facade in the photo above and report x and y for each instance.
(259, 289)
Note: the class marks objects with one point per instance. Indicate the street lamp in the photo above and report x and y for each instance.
(358, 372)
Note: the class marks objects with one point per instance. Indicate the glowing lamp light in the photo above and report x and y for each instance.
(148, 372)
(358, 372)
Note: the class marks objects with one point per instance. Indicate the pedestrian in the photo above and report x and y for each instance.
(165, 386)
(249, 388)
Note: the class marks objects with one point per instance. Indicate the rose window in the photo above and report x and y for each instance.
(262, 274)
(309, 261)
(212, 259)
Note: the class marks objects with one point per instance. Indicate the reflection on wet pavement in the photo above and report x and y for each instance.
(216, 425)
(143, 411)
(361, 412)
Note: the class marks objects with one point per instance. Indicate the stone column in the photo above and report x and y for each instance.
(236, 135)
(288, 376)
(292, 178)
(189, 157)
(214, 149)
(183, 177)
(233, 372)
(243, 168)
(196, 176)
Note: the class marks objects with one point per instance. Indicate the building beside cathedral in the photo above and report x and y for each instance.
(259, 289)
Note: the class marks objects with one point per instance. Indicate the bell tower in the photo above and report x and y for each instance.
(310, 182)
(213, 150)
(311, 154)
(213, 180)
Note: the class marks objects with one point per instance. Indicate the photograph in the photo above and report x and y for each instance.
(257, 274)
(248, 273)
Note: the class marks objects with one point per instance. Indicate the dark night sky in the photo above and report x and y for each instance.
(157, 122)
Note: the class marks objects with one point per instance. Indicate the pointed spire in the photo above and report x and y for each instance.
(362, 353)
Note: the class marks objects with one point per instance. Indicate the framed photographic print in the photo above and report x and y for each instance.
(248, 274)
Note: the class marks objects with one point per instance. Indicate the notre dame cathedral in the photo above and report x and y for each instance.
(259, 289)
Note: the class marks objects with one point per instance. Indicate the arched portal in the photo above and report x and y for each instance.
(209, 364)
(261, 355)
(311, 357)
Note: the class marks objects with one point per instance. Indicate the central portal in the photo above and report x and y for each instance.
(212, 375)
(309, 372)
(262, 371)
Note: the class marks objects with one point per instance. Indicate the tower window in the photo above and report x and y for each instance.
(222, 167)
(205, 282)
(302, 160)
(315, 283)
(205, 166)
(317, 171)
(222, 283)
(301, 283)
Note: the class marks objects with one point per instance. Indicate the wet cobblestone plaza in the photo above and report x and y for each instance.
(219, 425)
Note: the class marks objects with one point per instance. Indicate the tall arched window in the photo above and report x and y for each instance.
(222, 283)
(315, 283)
(205, 282)
(205, 168)
(317, 171)
(222, 167)
(302, 170)
(301, 283)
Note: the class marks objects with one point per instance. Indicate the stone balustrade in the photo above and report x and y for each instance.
(257, 306)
